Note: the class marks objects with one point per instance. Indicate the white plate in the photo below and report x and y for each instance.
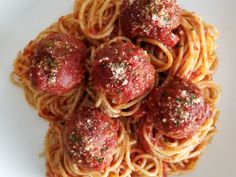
(22, 132)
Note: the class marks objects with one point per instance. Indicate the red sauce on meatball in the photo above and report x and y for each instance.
(122, 72)
(151, 18)
(90, 138)
(178, 109)
(58, 64)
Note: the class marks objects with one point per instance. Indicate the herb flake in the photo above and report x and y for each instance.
(73, 138)
(99, 160)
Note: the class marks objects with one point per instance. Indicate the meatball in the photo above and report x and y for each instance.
(122, 72)
(58, 64)
(90, 138)
(177, 109)
(151, 18)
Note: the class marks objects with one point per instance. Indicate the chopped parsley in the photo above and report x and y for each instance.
(126, 65)
(193, 97)
(178, 112)
(165, 94)
(181, 100)
(73, 138)
(166, 19)
(187, 102)
(166, 140)
(99, 160)
(177, 123)
(116, 80)
(49, 44)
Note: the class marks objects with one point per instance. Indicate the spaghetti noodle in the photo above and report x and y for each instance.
(97, 23)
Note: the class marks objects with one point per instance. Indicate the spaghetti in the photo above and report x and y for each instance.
(189, 54)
